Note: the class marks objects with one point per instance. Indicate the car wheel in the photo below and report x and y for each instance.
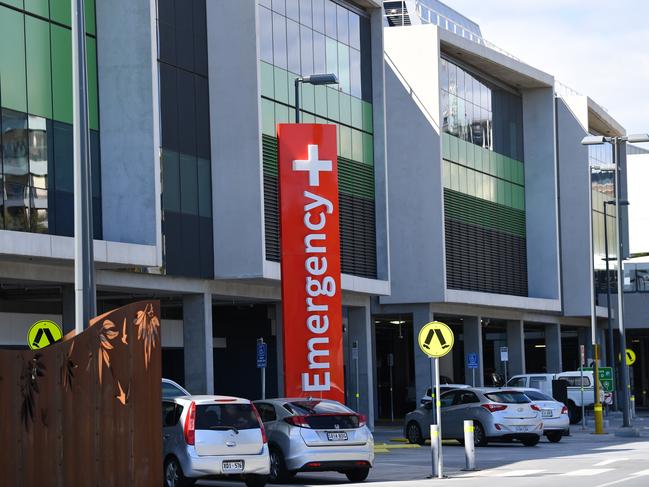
(255, 480)
(574, 413)
(531, 441)
(554, 436)
(174, 476)
(413, 434)
(278, 471)
(358, 474)
(479, 436)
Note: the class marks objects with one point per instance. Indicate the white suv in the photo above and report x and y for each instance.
(213, 436)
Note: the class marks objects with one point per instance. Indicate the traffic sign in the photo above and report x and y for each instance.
(436, 339)
(630, 356)
(43, 333)
(606, 379)
(471, 360)
(262, 355)
(504, 354)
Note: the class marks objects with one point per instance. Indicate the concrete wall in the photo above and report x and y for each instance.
(415, 192)
(541, 193)
(129, 121)
(574, 211)
(235, 120)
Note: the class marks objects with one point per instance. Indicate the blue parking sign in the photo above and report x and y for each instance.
(472, 360)
(262, 355)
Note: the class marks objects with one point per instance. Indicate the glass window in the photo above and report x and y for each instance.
(268, 117)
(266, 412)
(319, 53)
(354, 31)
(226, 416)
(330, 19)
(343, 67)
(204, 188)
(448, 398)
(356, 86)
(306, 49)
(37, 152)
(342, 15)
(62, 75)
(332, 56)
(188, 184)
(16, 206)
(452, 78)
(292, 10)
(293, 43)
(318, 7)
(508, 397)
(305, 12)
(517, 382)
(171, 178)
(443, 75)
(279, 41)
(39, 73)
(38, 210)
(279, 6)
(265, 35)
(460, 84)
(15, 143)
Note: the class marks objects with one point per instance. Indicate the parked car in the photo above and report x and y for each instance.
(543, 382)
(498, 415)
(442, 389)
(213, 436)
(314, 435)
(172, 389)
(554, 414)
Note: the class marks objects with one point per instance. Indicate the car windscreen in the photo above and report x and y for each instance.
(538, 396)
(507, 397)
(224, 416)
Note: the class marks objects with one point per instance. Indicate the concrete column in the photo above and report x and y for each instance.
(198, 343)
(360, 330)
(553, 348)
(67, 298)
(472, 333)
(516, 347)
(421, 314)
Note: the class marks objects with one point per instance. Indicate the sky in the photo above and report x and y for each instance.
(598, 48)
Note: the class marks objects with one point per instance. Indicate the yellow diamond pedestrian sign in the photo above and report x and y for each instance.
(43, 333)
(630, 356)
(436, 339)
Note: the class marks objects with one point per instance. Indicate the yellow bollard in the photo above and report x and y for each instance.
(597, 408)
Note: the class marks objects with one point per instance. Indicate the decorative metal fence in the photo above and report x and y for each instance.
(86, 411)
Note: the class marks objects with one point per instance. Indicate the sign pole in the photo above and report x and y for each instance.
(581, 389)
(473, 377)
(390, 365)
(262, 361)
(432, 391)
(438, 408)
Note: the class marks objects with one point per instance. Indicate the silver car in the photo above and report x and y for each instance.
(497, 414)
(556, 422)
(314, 435)
(213, 436)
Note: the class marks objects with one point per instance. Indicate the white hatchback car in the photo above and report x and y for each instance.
(554, 414)
(205, 436)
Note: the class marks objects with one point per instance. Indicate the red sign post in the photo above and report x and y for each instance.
(310, 245)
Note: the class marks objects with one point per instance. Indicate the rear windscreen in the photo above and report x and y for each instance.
(508, 397)
(324, 414)
(222, 416)
(538, 396)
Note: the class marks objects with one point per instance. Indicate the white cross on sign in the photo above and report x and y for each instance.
(313, 165)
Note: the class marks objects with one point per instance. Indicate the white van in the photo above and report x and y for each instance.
(543, 382)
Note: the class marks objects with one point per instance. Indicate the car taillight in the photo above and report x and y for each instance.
(299, 421)
(261, 425)
(535, 407)
(362, 420)
(492, 408)
(190, 424)
(564, 410)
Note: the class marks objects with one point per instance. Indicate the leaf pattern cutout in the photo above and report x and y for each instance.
(123, 396)
(124, 335)
(32, 370)
(148, 326)
(67, 369)
(107, 333)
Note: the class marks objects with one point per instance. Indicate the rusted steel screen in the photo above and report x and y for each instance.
(86, 411)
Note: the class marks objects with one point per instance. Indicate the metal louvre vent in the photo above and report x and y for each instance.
(357, 212)
(480, 259)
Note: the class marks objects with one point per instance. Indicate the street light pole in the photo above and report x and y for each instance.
(611, 346)
(626, 419)
(313, 79)
(84, 271)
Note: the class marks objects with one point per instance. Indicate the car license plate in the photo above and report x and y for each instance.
(233, 466)
(521, 429)
(337, 435)
(546, 413)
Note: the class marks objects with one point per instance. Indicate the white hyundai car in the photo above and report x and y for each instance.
(556, 422)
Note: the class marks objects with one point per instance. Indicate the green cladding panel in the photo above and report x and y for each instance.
(93, 96)
(38, 7)
(62, 73)
(13, 83)
(39, 74)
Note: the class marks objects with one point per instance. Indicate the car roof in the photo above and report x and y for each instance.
(204, 399)
(296, 399)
